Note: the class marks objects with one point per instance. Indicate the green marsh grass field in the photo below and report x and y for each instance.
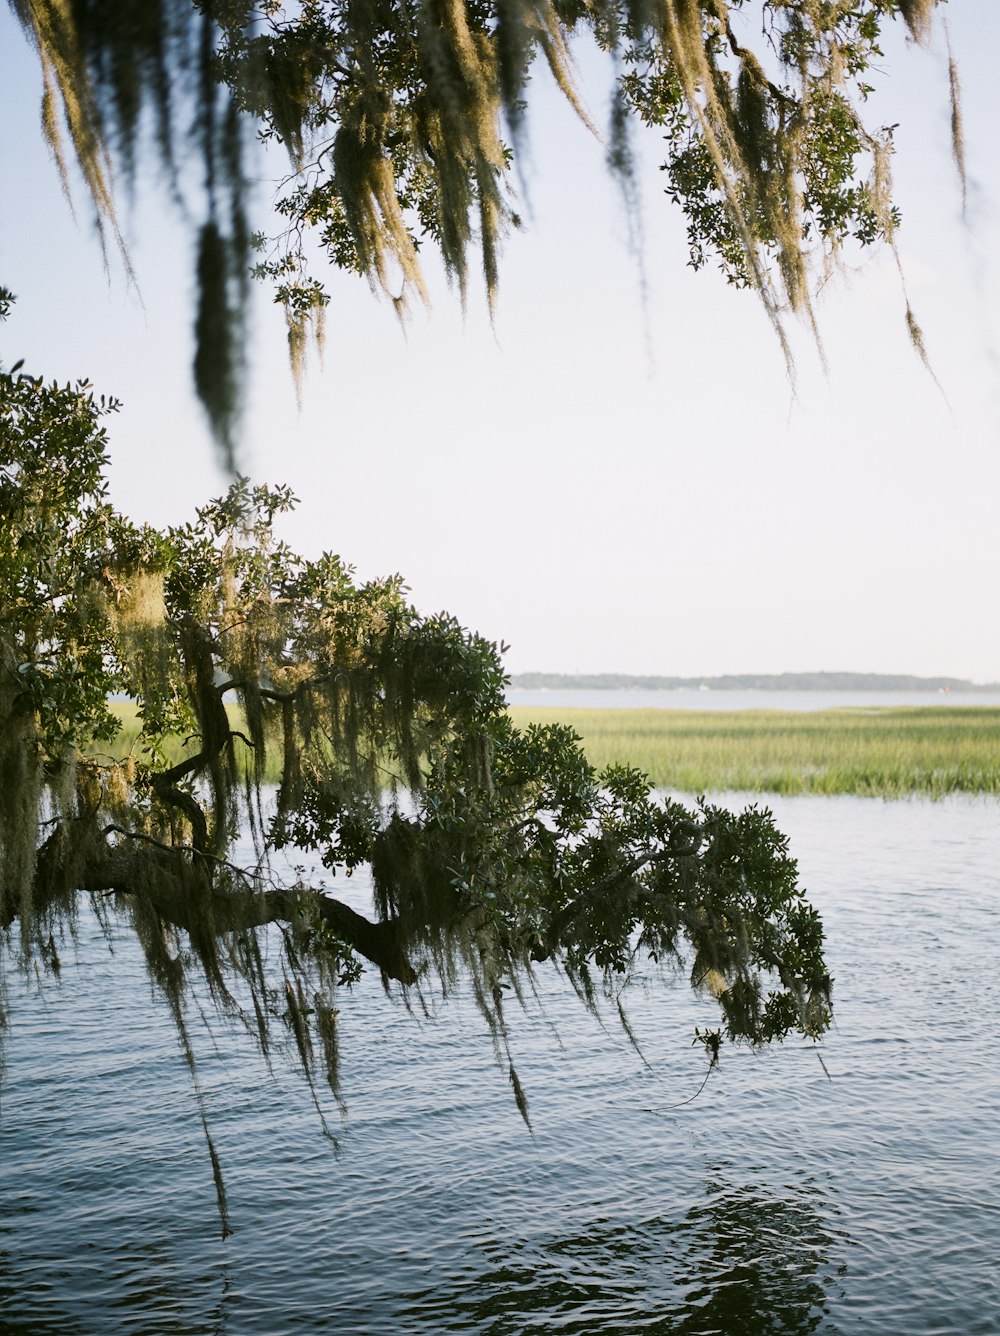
(880, 752)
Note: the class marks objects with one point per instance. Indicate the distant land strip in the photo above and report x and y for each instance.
(747, 682)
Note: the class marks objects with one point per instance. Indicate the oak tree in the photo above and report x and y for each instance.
(329, 721)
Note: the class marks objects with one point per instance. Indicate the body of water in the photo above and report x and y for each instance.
(777, 1201)
(690, 699)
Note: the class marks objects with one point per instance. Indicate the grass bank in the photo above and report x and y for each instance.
(876, 752)
(174, 749)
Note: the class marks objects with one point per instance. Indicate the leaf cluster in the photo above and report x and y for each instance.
(401, 124)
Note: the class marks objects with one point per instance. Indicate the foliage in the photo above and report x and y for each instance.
(401, 123)
(491, 849)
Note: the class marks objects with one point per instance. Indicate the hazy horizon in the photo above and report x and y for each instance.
(694, 678)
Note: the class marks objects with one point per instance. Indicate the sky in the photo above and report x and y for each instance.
(617, 474)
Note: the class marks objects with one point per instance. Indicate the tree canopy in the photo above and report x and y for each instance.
(402, 125)
(277, 696)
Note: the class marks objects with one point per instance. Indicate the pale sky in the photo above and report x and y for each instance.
(603, 483)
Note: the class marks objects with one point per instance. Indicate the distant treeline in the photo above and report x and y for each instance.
(747, 682)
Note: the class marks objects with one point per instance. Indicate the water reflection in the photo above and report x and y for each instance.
(743, 1262)
(88, 1288)
(761, 1264)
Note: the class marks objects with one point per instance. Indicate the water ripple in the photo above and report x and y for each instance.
(778, 1201)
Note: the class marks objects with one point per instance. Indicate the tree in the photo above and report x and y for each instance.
(386, 739)
(402, 124)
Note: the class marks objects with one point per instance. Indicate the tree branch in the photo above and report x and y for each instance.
(163, 876)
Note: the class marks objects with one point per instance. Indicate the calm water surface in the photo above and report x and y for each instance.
(778, 1201)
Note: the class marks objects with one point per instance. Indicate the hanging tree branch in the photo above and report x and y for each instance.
(395, 120)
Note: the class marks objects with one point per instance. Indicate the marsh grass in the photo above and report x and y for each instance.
(174, 749)
(881, 752)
